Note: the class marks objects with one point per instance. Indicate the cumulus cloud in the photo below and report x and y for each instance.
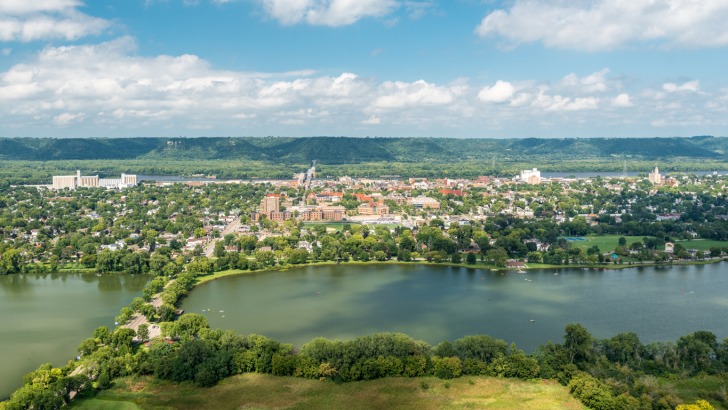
(67, 118)
(107, 85)
(27, 21)
(501, 91)
(372, 120)
(592, 83)
(331, 13)
(562, 103)
(622, 100)
(397, 94)
(608, 24)
(80, 90)
(692, 86)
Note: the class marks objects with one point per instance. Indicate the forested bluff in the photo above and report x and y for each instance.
(30, 160)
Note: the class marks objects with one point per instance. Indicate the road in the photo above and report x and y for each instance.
(139, 319)
(230, 228)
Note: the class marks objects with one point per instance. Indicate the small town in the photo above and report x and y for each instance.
(519, 221)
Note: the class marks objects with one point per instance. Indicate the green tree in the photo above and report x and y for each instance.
(578, 343)
(471, 259)
(143, 332)
(11, 262)
(498, 255)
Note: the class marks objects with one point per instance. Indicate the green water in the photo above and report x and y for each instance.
(45, 317)
(434, 303)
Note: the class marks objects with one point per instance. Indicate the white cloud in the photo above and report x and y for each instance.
(35, 20)
(67, 118)
(397, 94)
(693, 86)
(622, 100)
(20, 7)
(80, 90)
(372, 121)
(595, 82)
(331, 13)
(609, 24)
(501, 91)
(562, 103)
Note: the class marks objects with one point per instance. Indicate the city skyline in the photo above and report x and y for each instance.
(390, 68)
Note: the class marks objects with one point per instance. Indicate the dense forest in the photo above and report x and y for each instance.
(343, 150)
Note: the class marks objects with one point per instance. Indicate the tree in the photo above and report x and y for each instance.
(11, 262)
(298, 256)
(157, 262)
(143, 332)
(578, 343)
(186, 327)
(106, 261)
(499, 256)
(102, 334)
(219, 249)
(471, 259)
(265, 258)
(87, 347)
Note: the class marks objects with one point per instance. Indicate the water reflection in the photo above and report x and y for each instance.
(45, 316)
(435, 303)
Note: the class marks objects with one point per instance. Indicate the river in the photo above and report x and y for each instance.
(436, 303)
(45, 317)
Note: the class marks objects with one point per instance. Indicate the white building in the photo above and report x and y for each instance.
(64, 181)
(655, 177)
(85, 181)
(532, 176)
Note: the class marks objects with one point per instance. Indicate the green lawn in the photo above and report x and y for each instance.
(606, 243)
(711, 388)
(338, 226)
(257, 391)
(703, 244)
(97, 404)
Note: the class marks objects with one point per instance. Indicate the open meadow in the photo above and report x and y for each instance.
(258, 391)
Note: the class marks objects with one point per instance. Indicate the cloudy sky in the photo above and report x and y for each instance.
(455, 68)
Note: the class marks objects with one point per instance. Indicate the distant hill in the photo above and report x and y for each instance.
(343, 150)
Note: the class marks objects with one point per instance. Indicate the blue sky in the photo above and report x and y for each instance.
(458, 68)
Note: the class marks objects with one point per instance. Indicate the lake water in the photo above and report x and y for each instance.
(435, 303)
(45, 317)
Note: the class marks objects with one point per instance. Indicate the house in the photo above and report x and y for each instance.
(669, 247)
(512, 263)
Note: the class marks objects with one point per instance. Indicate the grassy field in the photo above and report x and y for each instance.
(703, 244)
(257, 391)
(605, 243)
(334, 225)
(96, 404)
(711, 388)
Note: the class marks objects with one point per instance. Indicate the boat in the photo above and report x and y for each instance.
(531, 320)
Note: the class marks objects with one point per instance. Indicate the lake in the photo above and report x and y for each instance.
(45, 317)
(436, 303)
